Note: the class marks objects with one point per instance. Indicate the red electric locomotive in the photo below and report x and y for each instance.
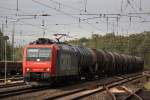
(45, 61)
(39, 62)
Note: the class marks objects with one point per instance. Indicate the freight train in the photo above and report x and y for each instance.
(46, 61)
(13, 67)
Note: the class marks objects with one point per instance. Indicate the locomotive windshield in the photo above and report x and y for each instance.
(38, 54)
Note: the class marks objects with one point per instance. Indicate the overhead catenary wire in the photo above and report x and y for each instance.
(11, 9)
(128, 1)
(134, 6)
(65, 5)
(5, 8)
(20, 21)
(38, 26)
(58, 10)
(119, 15)
(53, 8)
(83, 18)
(107, 16)
(139, 7)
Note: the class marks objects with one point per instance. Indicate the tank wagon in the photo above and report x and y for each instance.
(13, 67)
(47, 61)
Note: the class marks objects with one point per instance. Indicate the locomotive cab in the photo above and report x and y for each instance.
(38, 63)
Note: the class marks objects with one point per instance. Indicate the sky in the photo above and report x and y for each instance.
(76, 18)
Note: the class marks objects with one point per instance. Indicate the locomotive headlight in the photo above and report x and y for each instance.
(48, 69)
(28, 69)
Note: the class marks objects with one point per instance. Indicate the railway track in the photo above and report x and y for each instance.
(78, 91)
(11, 81)
(12, 84)
(84, 92)
(134, 95)
(13, 78)
(19, 91)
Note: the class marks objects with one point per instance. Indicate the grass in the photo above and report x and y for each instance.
(147, 86)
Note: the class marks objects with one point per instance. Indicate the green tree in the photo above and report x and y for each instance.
(2, 48)
(144, 49)
(18, 53)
